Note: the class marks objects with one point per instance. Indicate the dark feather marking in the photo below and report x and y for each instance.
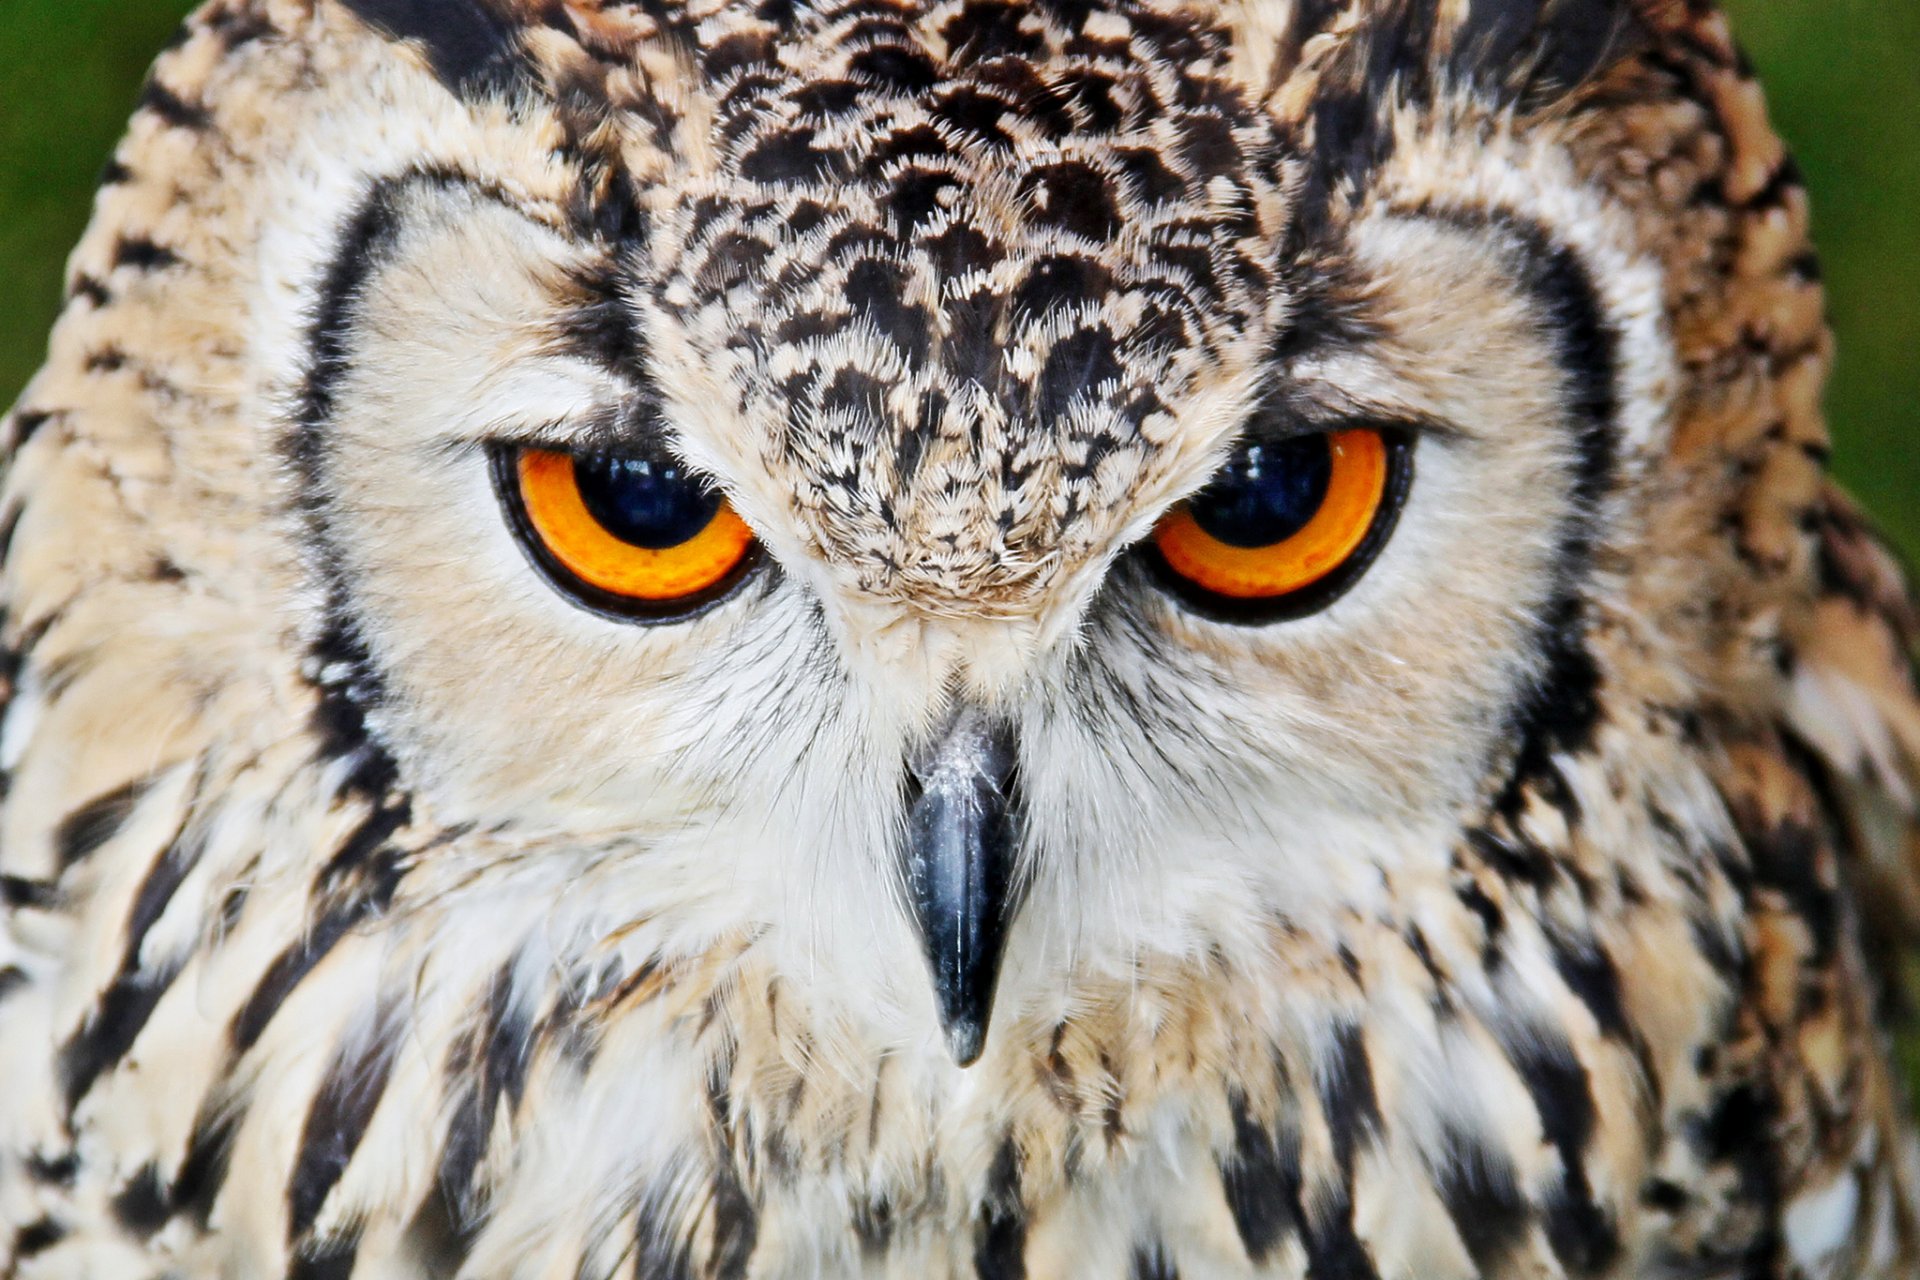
(439, 1236)
(1540, 50)
(1794, 858)
(790, 157)
(736, 1219)
(1492, 33)
(1261, 1178)
(12, 979)
(1586, 345)
(1074, 197)
(1531, 53)
(661, 1252)
(204, 1170)
(238, 28)
(369, 899)
(607, 206)
(1583, 1236)
(873, 1225)
(1581, 38)
(90, 289)
(1663, 1196)
(1334, 1250)
(364, 241)
(172, 108)
(156, 891)
(53, 1170)
(110, 1030)
(96, 822)
(1561, 708)
(358, 865)
(1478, 1187)
(339, 665)
(18, 893)
(331, 1260)
(1150, 1262)
(349, 687)
(1000, 1243)
(1347, 1096)
(37, 1237)
(876, 287)
(141, 1203)
(1077, 365)
(1352, 1113)
(1493, 921)
(336, 1123)
(27, 423)
(294, 964)
(143, 254)
(232, 903)
(600, 325)
(1739, 1132)
(736, 1223)
(497, 1070)
(1512, 856)
(1785, 180)
(472, 49)
(1590, 975)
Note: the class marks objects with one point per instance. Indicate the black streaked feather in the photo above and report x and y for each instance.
(361, 893)
(1261, 1178)
(172, 108)
(472, 49)
(96, 822)
(1482, 1196)
(104, 1039)
(335, 1124)
(1000, 1241)
(196, 1187)
(331, 1260)
(141, 1203)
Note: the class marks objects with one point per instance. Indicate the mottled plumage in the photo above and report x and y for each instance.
(372, 910)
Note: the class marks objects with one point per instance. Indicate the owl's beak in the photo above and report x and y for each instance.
(962, 833)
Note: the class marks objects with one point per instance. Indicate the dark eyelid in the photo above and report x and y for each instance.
(1288, 408)
(1276, 428)
(620, 431)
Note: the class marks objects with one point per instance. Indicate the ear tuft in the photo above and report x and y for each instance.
(1535, 52)
(471, 46)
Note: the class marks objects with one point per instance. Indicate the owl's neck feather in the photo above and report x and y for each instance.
(453, 1034)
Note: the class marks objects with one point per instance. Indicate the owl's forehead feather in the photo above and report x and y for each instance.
(1283, 52)
(957, 270)
(942, 276)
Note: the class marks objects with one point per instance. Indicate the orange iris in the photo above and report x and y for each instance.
(582, 545)
(1356, 487)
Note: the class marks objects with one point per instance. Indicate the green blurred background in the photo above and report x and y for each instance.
(1844, 77)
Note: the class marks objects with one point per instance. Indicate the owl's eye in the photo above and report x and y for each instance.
(636, 536)
(1287, 525)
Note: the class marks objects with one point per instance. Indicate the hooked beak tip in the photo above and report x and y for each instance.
(966, 1039)
(962, 831)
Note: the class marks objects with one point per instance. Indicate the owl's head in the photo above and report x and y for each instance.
(998, 489)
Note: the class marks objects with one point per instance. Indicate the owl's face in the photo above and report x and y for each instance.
(896, 509)
(883, 638)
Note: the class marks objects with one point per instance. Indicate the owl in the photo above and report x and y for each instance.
(1074, 639)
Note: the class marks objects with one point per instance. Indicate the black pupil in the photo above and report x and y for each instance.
(646, 502)
(1267, 493)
